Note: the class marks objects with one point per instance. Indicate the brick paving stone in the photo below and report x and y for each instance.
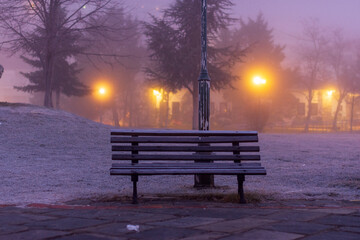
(66, 224)
(237, 225)
(295, 215)
(115, 229)
(350, 229)
(207, 236)
(332, 235)
(6, 229)
(351, 221)
(165, 233)
(33, 234)
(263, 235)
(187, 222)
(297, 227)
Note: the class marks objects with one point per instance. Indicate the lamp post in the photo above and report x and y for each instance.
(204, 94)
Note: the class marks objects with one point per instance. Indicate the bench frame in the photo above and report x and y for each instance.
(198, 148)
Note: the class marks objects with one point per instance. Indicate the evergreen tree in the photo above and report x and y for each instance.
(264, 59)
(174, 43)
(66, 79)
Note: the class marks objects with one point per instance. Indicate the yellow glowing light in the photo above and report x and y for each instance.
(102, 91)
(259, 80)
(330, 93)
(156, 93)
(158, 97)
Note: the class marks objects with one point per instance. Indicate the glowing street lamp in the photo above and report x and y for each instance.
(158, 95)
(330, 93)
(257, 80)
(102, 91)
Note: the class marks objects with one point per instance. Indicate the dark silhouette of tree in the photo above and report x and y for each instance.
(312, 63)
(38, 27)
(340, 68)
(66, 79)
(353, 76)
(175, 48)
(263, 59)
(119, 59)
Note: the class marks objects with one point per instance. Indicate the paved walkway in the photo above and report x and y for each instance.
(183, 220)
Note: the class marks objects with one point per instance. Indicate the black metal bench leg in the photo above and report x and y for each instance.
(241, 179)
(134, 179)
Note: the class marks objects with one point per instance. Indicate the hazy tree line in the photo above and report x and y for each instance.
(73, 44)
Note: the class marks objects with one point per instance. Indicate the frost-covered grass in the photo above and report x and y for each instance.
(49, 156)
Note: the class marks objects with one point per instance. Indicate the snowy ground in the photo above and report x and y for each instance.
(49, 156)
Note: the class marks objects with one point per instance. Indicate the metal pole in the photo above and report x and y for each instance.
(204, 94)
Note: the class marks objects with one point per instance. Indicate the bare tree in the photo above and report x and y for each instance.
(120, 57)
(312, 65)
(21, 19)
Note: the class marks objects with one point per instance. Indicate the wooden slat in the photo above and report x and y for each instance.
(187, 171)
(187, 165)
(165, 139)
(152, 132)
(187, 148)
(185, 157)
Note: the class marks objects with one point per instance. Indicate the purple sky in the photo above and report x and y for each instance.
(284, 16)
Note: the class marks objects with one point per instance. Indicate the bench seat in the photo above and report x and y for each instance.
(185, 152)
(186, 169)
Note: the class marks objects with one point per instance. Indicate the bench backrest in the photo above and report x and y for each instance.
(189, 145)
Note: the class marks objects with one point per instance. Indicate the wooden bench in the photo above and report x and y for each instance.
(178, 152)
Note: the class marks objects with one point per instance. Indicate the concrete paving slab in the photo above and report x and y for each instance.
(207, 236)
(297, 227)
(34, 234)
(65, 224)
(295, 215)
(238, 225)
(7, 229)
(116, 229)
(350, 229)
(333, 235)
(187, 222)
(87, 237)
(351, 221)
(165, 233)
(263, 235)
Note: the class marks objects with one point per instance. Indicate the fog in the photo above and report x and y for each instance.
(135, 99)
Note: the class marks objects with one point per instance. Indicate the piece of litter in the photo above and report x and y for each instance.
(133, 228)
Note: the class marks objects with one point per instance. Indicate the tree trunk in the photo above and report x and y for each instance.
(115, 115)
(131, 115)
(352, 113)
(57, 98)
(308, 116)
(195, 98)
(48, 69)
(334, 125)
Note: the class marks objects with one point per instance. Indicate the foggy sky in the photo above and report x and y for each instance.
(284, 16)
